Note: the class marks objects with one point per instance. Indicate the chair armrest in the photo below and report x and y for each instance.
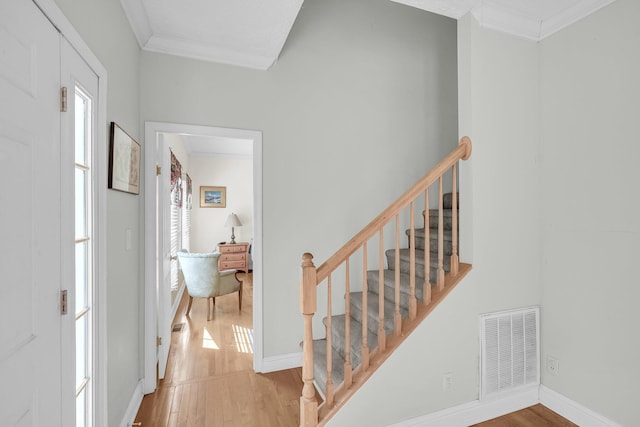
(227, 273)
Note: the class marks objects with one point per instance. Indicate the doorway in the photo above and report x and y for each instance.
(158, 315)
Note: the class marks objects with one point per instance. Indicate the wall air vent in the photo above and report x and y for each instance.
(509, 354)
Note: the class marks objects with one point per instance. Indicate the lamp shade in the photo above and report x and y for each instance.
(232, 221)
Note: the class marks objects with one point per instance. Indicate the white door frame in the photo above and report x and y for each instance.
(151, 242)
(51, 10)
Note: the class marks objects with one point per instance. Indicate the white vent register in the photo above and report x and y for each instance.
(510, 356)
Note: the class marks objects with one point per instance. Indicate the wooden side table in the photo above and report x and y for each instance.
(234, 256)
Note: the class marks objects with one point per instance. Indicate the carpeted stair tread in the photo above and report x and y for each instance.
(433, 240)
(320, 365)
(372, 311)
(447, 200)
(447, 223)
(390, 285)
(404, 262)
(338, 338)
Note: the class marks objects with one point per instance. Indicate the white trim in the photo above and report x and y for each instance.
(573, 411)
(280, 363)
(134, 404)
(479, 411)
(57, 18)
(570, 16)
(176, 302)
(138, 21)
(151, 130)
(476, 411)
(510, 20)
(207, 52)
(150, 273)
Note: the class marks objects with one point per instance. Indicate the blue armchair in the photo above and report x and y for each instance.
(204, 280)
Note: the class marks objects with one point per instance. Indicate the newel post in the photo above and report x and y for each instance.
(308, 402)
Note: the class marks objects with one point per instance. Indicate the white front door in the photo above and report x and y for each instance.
(30, 220)
(79, 231)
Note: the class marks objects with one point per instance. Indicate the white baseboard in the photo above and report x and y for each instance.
(278, 363)
(479, 411)
(476, 411)
(132, 410)
(573, 411)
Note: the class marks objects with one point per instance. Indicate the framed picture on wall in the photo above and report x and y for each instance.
(124, 161)
(213, 197)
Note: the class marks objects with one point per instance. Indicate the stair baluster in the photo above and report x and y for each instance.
(440, 276)
(365, 311)
(329, 386)
(398, 316)
(454, 222)
(382, 337)
(426, 292)
(413, 306)
(348, 370)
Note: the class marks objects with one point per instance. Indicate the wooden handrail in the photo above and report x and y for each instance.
(462, 152)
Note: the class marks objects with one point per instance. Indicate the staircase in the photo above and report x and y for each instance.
(338, 322)
(388, 301)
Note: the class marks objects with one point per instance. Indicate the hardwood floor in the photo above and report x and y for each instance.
(533, 416)
(210, 380)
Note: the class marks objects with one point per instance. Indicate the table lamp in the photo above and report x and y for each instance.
(232, 221)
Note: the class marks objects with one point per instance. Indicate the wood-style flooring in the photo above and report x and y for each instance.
(534, 416)
(210, 380)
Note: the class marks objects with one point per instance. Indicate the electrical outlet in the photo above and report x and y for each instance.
(553, 365)
(447, 381)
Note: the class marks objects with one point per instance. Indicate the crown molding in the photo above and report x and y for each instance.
(138, 20)
(510, 21)
(455, 9)
(501, 16)
(571, 16)
(205, 52)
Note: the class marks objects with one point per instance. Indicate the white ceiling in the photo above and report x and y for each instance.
(251, 33)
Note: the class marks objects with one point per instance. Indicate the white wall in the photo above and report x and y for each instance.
(105, 29)
(499, 110)
(207, 224)
(361, 103)
(591, 210)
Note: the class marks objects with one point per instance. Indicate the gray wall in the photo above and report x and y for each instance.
(361, 103)
(105, 29)
(499, 186)
(553, 220)
(591, 210)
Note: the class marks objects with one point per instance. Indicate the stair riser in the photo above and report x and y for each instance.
(405, 265)
(338, 339)
(433, 241)
(372, 312)
(389, 286)
(434, 219)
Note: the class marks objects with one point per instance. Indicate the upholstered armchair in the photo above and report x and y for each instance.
(204, 280)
